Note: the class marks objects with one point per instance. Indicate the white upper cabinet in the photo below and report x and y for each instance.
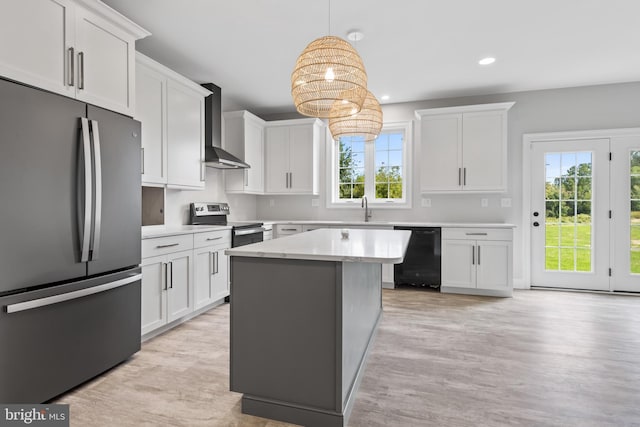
(82, 49)
(171, 109)
(292, 156)
(464, 148)
(244, 138)
(151, 89)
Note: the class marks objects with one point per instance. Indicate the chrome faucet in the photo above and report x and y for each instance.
(367, 211)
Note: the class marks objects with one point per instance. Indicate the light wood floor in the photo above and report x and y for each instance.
(542, 358)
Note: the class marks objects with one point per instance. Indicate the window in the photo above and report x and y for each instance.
(376, 169)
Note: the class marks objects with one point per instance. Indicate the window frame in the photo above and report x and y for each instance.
(333, 155)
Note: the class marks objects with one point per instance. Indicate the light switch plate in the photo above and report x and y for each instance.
(505, 202)
(426, 203)
(315, 203)
(484, 203)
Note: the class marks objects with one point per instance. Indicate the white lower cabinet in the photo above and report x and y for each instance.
(211, 267)
(182, 274)
(477, 261)
(167, 289)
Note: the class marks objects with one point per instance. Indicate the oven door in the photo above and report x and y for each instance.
(246, 236)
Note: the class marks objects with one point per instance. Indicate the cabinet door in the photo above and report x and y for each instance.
(254, 155)
(154, 296)
(150, 111)
(301, 159)
(484, 151)
(458, 263)
(493, 265)
(203, 270)
(277, 160)
(185, 133)
(105, 63)
(220, 277)
(180, 287)
(34, 40)
(440, 153)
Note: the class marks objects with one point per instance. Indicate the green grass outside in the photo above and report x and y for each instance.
(568, 247)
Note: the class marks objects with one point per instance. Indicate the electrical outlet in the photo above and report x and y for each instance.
(315, 203)
(484, 203)
(426, 203)
(272, 203)
(505, 203)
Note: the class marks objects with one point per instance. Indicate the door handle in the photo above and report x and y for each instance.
(80, 70)
(97, 167)
(171, 274)
(473, 255)
(478, 254)
(70, 66)
(88, 190)
(43, 302)
(166, 277)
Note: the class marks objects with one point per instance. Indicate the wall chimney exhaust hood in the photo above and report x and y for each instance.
(214, 155)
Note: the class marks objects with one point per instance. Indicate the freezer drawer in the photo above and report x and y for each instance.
(56, 338)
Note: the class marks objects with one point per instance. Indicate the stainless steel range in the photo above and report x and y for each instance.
(214, 213)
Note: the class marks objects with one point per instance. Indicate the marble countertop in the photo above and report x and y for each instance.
(174, 230)
(379, 246)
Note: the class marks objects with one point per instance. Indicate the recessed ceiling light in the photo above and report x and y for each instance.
(486, 61)
(384, 97)
(355, 35)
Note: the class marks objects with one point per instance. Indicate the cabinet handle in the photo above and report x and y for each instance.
(142, 159)
(246, 177)
(290, 179)
(478, 254)
(71, 66)
(286, 179)
(167, 246)
(212, 260)
(171, 275)
(213, 238)
(464, 180)
(216, 256)
(459, 176)
(166, 278)
(203, 173)
(473, 255)
(80, 70)
(476, 234)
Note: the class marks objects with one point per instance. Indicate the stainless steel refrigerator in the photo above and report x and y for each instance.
(69, 242)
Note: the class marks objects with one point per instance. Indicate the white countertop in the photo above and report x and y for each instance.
(379, 246)
(174, 230)
(346, 224)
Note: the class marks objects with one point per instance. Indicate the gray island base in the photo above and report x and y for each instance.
(301, 329)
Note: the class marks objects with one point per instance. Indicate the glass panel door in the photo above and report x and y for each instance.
(570, 242)
(625, 194)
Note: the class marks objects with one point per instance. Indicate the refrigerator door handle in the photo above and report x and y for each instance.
(88, 191)
(97, 167)
(54, 299)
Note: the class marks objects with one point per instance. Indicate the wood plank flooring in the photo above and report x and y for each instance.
(542, 358)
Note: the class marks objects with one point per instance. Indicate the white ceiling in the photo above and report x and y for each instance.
(412, 50)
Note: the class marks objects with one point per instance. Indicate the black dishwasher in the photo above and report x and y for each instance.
(421, 266)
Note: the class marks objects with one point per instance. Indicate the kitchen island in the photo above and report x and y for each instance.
(304, 311)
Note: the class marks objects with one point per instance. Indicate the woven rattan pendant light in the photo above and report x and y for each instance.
(328, 68)
(367, 122)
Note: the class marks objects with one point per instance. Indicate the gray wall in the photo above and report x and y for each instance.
(582, 108)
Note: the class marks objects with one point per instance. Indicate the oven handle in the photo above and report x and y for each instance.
(245, 231)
